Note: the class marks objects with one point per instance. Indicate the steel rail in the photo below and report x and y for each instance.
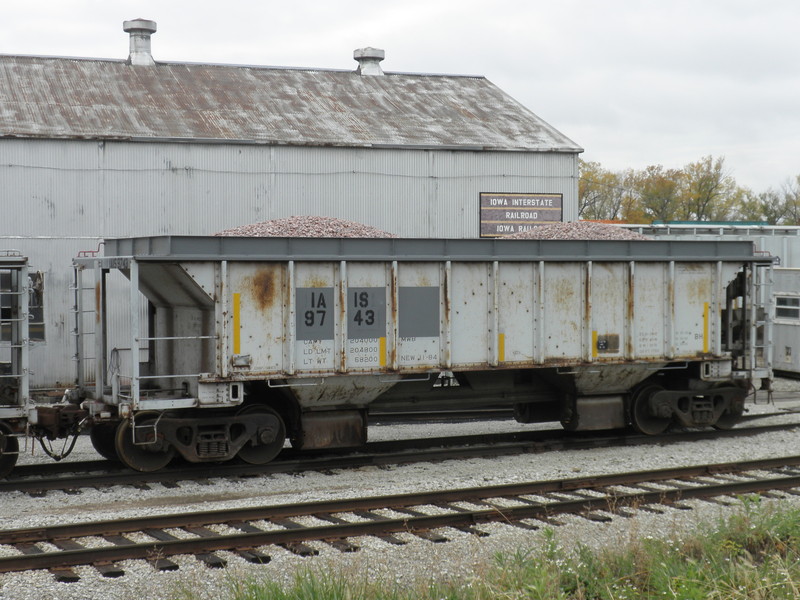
(405, 451)
(381, 526)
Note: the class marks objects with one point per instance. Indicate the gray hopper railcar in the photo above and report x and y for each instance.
(227, 346)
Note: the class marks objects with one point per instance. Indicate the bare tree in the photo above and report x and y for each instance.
(791, 201)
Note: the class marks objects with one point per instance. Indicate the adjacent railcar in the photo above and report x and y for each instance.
(227, 346)
(787, 321)
(14, 393)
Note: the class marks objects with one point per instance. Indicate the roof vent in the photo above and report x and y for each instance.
(369, 60)
(140, 30)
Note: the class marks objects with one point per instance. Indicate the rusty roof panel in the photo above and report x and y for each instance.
(107, 99)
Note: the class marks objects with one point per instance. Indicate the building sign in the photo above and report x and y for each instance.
(505, 213)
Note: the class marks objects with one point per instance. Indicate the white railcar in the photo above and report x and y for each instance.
(234, 344)
(228, 346)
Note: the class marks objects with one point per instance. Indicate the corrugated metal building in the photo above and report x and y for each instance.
(92, 148)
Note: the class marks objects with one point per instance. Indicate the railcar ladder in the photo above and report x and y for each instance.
(761, 313)
(14, 336)
(79, 330)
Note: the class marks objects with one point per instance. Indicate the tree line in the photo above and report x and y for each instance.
(700, 191)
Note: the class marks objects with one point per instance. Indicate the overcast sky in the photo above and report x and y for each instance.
(634, 82)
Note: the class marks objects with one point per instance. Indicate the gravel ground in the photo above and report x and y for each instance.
(461, 557)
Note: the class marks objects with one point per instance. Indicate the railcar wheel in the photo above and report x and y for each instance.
(731, 417)
(103, 437)
(9, 450)
(263, 452)
(642, 418)
(153, 455)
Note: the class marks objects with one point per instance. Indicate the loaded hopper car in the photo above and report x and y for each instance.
(216, 347)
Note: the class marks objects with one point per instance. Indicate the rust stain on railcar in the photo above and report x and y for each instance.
(699, 290)
(314, 282)
(342, 358)
(265, 287)
(564, 290)
(630, 313)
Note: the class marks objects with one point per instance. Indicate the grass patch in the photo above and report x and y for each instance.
(753, 554)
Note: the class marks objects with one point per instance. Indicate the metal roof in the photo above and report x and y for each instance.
(54, 97)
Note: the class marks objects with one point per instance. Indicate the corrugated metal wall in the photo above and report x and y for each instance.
(95, 188)
(62, 196)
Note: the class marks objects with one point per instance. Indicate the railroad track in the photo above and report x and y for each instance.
(250, 532)
(30, 480)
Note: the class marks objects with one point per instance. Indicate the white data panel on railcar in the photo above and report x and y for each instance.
(419, 310)
(562, 310)
(315, 329)
(418, 326)
(366, 308)
(366, 327)
(609, 293)
(472, 313)
(257, 316)
(693, 289)
(517, 307)
(315, 323)
(650, 294)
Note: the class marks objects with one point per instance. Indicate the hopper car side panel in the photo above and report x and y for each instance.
(328, 319)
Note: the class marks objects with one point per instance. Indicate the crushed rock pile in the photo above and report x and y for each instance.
(307, 226)
(578, 230)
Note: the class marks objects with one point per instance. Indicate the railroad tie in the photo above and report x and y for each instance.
(471, 529)
(209, 558)
(431, 536)
(596, 517)
(298, 548)
(105, 569)
(159, 563)
(252, 555)
(521, 500)
(386, 537)
(62, 574)
(341, 544)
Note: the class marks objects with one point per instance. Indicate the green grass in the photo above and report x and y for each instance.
(753, 555)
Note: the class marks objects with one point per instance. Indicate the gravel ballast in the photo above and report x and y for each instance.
(461, 557)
